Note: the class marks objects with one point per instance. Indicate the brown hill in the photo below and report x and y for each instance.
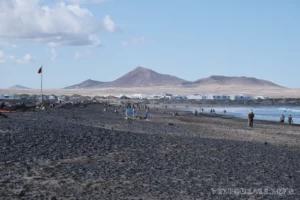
(19, 87)
(143, 77)
(231, 81)
(86, 85)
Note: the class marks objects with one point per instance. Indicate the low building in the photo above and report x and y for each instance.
(241, 97)
(9, 97)
(168, 96)
(194, 97)
(138, 96)
(261, 97)
(52, 97)
(156, 96)
(62, 98)
(179, 97)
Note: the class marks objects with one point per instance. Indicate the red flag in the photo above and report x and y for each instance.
(40, 70)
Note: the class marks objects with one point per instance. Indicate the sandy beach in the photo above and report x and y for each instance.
(85, 153)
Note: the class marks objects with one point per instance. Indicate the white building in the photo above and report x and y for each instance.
(168, 96)
(221, 97)
(156, 96)
(208, 97)
(138, 96)
(194, 96)
(62, 98)
(52, 97)
(179, 97)
(241, 97)
(9, 97)
(45, 97)
(261, 97)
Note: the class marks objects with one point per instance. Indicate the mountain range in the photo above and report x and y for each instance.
(143, 77)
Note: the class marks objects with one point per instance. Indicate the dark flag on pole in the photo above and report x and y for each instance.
(40, 70)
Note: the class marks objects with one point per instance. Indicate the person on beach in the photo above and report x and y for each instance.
(196, 112)
(133, 112)
(290, 119)
(128, 112)
(2, 105)
(224, 111)
(250, 119)
(282, 119)
(147, 114)
(211, 110)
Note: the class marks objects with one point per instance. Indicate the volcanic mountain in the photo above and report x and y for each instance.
(86, 85)
(232, 81)
(143, 77)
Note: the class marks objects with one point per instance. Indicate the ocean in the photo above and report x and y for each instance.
(261, 113)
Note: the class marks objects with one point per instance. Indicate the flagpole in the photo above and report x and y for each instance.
(42, 84)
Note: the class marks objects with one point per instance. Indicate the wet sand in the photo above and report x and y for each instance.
(85, 153)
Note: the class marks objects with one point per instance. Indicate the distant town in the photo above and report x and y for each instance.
(134, 96)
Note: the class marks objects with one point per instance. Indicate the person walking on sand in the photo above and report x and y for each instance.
(196, 112)
(250, 119)
(290, 119)
(282, 119)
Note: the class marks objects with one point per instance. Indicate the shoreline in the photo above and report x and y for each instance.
(234, 115)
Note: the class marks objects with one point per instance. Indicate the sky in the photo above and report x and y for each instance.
(102, 40)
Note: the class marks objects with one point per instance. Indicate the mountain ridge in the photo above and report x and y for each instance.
(20, 87)
(144, 77)
(220, 80)
(89, 83)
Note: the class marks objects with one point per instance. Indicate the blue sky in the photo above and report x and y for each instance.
(104, 39)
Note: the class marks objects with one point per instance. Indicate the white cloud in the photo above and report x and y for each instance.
(8, 45)
(109, 24)
(54, 54)
(85, 1)
(4, 58)
(26, 59)
(134, 42)
(58, 25)
(77, 55)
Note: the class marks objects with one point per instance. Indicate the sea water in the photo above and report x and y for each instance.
(261, 113)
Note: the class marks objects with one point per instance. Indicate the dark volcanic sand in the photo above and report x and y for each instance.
(84, 153)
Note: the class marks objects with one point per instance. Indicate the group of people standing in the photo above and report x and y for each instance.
(132, 111)
(282, 119)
